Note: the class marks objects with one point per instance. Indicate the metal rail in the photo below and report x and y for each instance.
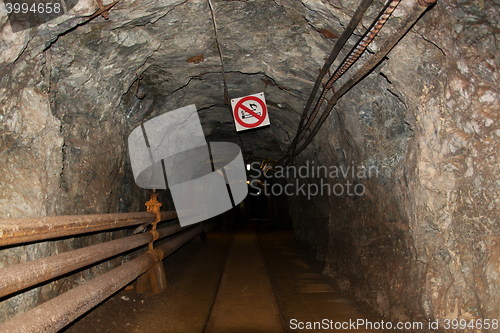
(31, 229)
(58, 312)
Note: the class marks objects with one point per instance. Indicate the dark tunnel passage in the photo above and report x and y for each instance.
(249, 275)
(379, 203)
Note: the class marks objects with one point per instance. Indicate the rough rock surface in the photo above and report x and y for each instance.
(420, 243)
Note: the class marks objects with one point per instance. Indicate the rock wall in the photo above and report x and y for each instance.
(422, 242)
(58, 157)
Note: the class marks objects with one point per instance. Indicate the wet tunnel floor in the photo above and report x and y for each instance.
(238, 281)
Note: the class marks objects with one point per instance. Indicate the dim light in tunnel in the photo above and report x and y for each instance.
(170, 151)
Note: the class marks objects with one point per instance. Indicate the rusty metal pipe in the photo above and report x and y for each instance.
(351, 26)
(349, 29)
(30, 229)
(172, 245)
(168, 215)
(419, 7)
(55, 314)
(18, 277)
(352, 57)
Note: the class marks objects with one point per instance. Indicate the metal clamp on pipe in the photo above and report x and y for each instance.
(156, 235)
(158, 254)
(332, 102)
(154, 206)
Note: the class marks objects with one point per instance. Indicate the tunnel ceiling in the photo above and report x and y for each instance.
(267, 46)
(270, 46)
(91, 68)
(70, 86)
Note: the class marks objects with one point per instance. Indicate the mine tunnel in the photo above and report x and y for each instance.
(365, 188)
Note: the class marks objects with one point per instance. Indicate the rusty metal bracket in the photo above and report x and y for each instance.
(103, 10)
(196, 59)
(156, 235)
(153, 205)
(139, 78)
(158, 254)
(328, 34)
(331, 103)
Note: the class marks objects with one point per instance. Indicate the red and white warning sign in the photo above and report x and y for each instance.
(250, 112)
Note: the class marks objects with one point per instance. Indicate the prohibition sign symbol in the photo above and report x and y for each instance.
(260, 118)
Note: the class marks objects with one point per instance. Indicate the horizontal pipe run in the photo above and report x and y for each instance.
(55, 314)
(18, 277)
(30, 229)
(172, 245)
(168, 215)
